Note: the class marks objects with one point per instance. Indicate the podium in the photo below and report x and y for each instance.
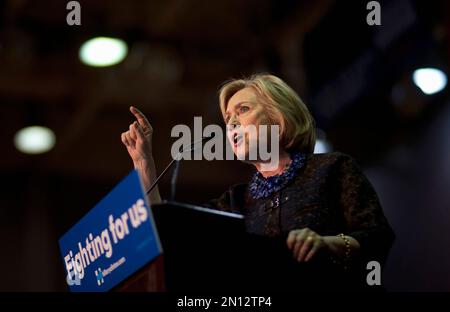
(209, 250)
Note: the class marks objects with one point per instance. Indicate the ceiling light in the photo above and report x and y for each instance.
(103, 51)
(34, 140)
(321, 147)
(430, 80)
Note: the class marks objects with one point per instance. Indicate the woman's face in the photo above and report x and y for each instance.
(244, 108)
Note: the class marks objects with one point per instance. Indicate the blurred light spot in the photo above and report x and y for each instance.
(321, 147)
(103, 51)
(430, 80)
(34, 140)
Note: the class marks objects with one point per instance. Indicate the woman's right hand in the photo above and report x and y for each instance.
(138, 141)
(138, 138)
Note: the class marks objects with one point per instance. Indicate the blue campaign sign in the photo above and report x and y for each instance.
(112, 241)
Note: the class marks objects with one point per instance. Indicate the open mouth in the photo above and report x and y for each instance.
(237, 139)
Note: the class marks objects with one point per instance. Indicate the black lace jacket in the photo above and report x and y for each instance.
(330, 195)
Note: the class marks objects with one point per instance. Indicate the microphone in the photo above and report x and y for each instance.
(177, 159)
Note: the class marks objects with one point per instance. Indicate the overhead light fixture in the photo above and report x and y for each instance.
(34, 140)
(321, 147)
(103, 51)
(430, 80)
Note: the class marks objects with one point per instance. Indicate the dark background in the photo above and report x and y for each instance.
(355, 78)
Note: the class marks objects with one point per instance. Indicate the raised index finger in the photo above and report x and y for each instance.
(140, 117)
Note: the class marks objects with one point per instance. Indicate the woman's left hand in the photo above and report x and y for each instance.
(305, 243)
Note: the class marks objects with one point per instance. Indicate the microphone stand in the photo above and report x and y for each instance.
(173, 180)
(176, 159)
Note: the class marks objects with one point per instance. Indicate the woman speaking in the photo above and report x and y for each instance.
(320, 203)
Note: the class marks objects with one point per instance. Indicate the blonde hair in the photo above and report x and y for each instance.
(283, 106)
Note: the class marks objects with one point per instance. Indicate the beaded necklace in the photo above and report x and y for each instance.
(261, 187)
